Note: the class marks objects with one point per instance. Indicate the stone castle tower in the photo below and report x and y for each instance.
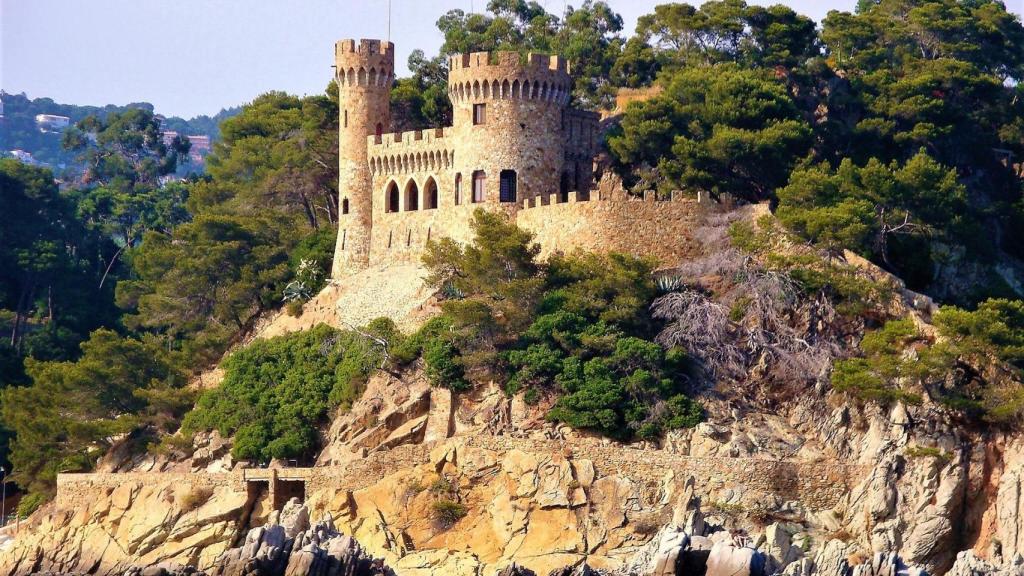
(364, 72)
(515, 146)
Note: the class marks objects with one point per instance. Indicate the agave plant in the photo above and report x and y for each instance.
(297, 290)
(451, 292)
(667, 284)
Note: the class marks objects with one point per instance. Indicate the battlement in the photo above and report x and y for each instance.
(500, 75)
(595, 195)
(405, 139)
(412, 151)
(369, 63)
(364, 48)
(509, 60)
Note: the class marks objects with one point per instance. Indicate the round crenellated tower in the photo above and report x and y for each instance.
(509, 114)
(364, 73)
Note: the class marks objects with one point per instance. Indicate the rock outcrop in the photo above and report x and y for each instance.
(294, 548)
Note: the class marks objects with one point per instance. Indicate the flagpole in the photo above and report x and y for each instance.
(389, 20)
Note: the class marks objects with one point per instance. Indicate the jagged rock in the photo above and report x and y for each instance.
(726, 559)
(514, 569)
(831, 559)
(778, 548)
(662, 556)
(967, 564)
(581, 570)
(317, 550)
(294, 518)
(887, 565)
(802, 567)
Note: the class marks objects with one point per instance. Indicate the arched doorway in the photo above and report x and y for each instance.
(391, 198)
(430, 194)
(412, 196)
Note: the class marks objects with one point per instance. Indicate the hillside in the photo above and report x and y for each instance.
(736, 294)
(18, 130)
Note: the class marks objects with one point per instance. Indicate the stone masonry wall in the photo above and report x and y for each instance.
(818, 486)
(662, 229)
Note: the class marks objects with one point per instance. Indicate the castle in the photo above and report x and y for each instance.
(515, 145)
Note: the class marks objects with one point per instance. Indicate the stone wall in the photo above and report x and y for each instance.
(662, 229)
(818, 486)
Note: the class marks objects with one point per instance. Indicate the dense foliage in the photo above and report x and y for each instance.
(73, 410)
(276, 392)
(271, 185)
(973, 367)
(193, 263)
(576, 329)
(893, 133)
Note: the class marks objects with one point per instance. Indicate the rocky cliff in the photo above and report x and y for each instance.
(431, 482)
(493, 484)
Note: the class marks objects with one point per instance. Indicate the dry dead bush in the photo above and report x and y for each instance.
(195, 498)
(745, 323)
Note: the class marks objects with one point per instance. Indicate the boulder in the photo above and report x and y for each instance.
(727, 559)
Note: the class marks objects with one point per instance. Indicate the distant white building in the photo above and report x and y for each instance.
(52, 122)
(25, 157)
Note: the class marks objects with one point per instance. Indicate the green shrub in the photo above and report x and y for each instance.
(877, 376)
(276, 392)
(447, 512)
(30, 503)
(926, 452)
(442, 486)
(579, 326)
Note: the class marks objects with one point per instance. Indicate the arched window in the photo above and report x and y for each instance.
(479, 184)
(458, 189)
(344, 206)
(507, 186)
(378, 133)
(430, 194)
(391, 198)
(346, 118)
(412, 196)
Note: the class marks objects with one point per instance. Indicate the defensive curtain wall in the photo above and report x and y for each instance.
(819, 486)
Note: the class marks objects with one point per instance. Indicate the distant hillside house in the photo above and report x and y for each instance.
(51, 122)
(25, 158)
(200, 145)
(200, 148)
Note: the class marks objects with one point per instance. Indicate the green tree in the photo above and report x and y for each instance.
(276, 392)
(718, 129)
(126, 156)
(869, 209)
(66, 419)
(268, 203)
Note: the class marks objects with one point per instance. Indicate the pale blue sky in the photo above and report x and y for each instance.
(192, 57)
